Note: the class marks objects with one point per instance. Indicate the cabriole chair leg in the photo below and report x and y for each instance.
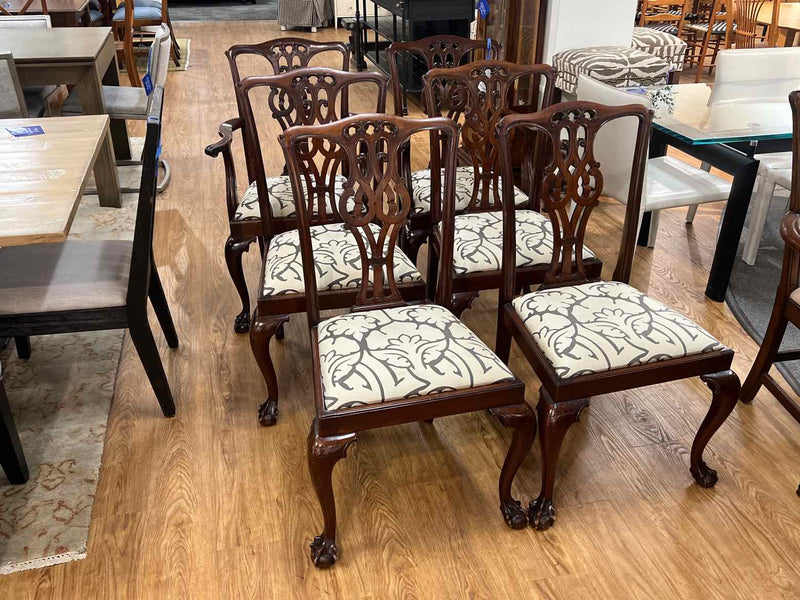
(523, 420)
(725, 388)
(261, 332)
(234, 249)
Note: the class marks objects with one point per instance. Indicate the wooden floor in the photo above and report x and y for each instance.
(210, 505)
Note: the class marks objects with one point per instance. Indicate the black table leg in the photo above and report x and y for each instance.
(11, 456)
(731, 230)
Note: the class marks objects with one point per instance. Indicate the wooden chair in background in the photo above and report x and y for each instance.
(42, 9)
(584, 336)
(479, 94)
(407, 59)
(244, 216)
(310, 96)
(665, 15)
(128, 27)
(387, 362)
(787, 299)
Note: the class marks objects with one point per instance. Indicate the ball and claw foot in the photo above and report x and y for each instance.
(241, 324)
(514, 515)
(323, 552)
(268, 413)
(705, 476)
(542, 514)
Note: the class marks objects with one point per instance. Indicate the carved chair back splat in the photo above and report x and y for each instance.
(374, 207)
(479, 94)
(309, 96)
(564, 328)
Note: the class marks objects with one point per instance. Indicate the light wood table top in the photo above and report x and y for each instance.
(64, 44)
(42, 177)
(53, 6)
(788, 18)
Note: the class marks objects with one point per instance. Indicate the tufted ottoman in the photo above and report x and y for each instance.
(663, 44)
(616, 66)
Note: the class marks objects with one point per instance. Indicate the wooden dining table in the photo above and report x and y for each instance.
(62, 12)
(80, 56)
(43, 177)
(788, 19)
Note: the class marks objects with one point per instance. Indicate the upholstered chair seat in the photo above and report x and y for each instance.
(465, 178)
(606, 325)
(404, 352)
(478, 241)
(281, 201)
(75, 275)
(661, 40)
(336, 259)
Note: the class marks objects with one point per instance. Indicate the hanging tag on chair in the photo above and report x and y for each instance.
(483, 8)
(147, 80)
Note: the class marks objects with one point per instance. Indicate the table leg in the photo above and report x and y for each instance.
(730, 232)
(790, 34)
(11, 456)
(119, 129)
(105, 174)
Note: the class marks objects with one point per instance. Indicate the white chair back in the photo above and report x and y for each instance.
(757, 64)
(615, 142)
(20, 21)
(12, 101)
(159, 55)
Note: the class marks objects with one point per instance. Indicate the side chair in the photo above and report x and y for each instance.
(95, 285)
(311, 96)
(584, 336)
(479, 94)
(787, 299)
(388, 362)
(244, 216)
(434, 52)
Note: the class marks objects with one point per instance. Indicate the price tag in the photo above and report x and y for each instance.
(147, 80)
(25, 131)
(483, 8)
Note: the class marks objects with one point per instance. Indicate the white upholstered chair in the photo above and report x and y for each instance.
(669, 182)
(761, 72)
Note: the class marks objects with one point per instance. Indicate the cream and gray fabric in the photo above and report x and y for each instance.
(337, 261)
(661, 43)
(382, 355)
(43, 278)
(421, 190)
(478, 241)
(597, 327)
(304, 13)
(616, 66)
(281, 200)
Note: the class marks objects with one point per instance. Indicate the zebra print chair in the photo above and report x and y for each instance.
(662, 44)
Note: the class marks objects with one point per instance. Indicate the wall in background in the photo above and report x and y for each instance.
(584, 23)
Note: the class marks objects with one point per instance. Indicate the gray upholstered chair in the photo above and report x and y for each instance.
(12, 100)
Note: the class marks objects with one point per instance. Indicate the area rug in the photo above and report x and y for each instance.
(751, 293)
(60, 399)
(222, 10)
(185, 45)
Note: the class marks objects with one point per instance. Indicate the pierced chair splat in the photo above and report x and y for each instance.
(244, 216)
(478, 95)
(584, 336)
(387, 362)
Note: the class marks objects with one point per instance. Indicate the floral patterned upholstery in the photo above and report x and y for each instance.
(478, 241)
(421, 190)
(337, 261)
(382, 355)
(281, 199)
(606, 325)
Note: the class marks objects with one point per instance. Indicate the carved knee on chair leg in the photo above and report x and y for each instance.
(725, 389)
(261, 332)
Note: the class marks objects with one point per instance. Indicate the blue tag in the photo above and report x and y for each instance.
(25, 131)
(147, 82)
(483, 8)
(488, 47)
(158, 150)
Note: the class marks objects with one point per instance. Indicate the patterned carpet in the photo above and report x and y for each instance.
(60, 399)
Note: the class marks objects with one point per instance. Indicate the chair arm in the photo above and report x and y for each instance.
(226, 129)
(223, 147)
(790, 230)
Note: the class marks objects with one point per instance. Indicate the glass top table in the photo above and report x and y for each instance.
(742, 111)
